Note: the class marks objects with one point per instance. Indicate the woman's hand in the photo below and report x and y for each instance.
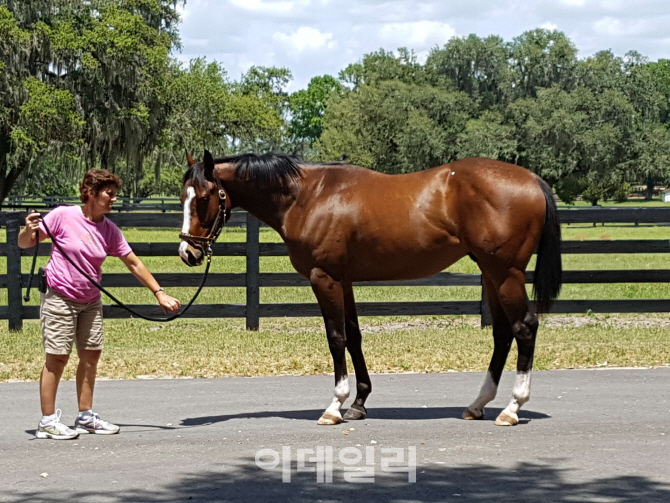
(169, 304)
(27, 234)
(33, 221)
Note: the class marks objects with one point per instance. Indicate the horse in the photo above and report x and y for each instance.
(343, 223)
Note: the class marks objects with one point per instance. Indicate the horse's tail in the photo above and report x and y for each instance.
(548, 268)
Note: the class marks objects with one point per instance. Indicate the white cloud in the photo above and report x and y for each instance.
(616, 27)
(416, 35)
(306, 38)
(259, 5)
(316, 37)
(549, 26)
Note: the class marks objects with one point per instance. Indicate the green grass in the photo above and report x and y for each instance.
(634, 201)
(201, 348)
(391, 294)
(204, 348)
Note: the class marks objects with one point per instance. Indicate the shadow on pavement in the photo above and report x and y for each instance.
(137, 427)
(477, 483)
(386, 413)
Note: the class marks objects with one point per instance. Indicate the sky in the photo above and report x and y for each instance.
(317, 37)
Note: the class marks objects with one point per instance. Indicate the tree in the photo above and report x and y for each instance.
(101, 63)
(395, 127)
(548, 129)
(385, 65)
(262, 90)
(541, 59)
(651, 155)
(488, 136)
(207, 110)
(476, 66)
(308, 107)
(660, 73)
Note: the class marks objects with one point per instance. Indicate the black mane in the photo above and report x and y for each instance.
(265, 170)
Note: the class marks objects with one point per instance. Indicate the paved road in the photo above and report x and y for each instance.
(586, 435)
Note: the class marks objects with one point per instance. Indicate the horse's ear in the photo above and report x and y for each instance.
(189, 159)
(209, 166)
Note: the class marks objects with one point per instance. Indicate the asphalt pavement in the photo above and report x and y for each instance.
(586, 435)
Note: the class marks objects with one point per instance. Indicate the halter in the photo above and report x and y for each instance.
(222, 216)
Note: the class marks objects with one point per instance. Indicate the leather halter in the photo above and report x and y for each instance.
(222, 216)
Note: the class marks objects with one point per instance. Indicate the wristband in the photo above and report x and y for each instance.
(159, 290)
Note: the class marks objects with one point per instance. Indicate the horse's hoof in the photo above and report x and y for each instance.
(355, 412)
(505, 419)
(330, 418)
(469, 414)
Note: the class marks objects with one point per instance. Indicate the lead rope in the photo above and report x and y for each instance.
(26, 297)
(103, 290)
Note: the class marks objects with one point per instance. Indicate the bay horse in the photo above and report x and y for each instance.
(343, 223)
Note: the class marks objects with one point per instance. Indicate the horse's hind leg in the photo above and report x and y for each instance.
(502, 340)
(524, 323)
(329, 293)
(363, 384)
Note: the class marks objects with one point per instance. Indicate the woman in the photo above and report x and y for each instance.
(71, 308)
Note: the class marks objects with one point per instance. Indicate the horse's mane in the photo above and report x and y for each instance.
(266, 170)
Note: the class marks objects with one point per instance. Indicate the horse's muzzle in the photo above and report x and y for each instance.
(191, 255)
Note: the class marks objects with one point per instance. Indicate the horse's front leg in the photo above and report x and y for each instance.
(357, 409)
(330, 296)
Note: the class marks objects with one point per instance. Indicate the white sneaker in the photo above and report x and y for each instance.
(55, 430)
(95, 425)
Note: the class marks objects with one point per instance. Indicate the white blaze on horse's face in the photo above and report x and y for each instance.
(186, 226)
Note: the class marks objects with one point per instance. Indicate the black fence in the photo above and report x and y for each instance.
(252, 280)
(24, 203)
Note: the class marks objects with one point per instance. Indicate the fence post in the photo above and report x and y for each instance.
(486, 319)
(253, 272)
(14, 297)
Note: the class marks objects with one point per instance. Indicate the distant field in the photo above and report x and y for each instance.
(304, 294)
(203, 348)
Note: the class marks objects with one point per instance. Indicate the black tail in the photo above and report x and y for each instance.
(548, 269)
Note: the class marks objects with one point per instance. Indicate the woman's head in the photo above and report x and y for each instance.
(97, 180)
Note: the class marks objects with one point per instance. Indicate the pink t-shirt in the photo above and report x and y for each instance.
(87, 244)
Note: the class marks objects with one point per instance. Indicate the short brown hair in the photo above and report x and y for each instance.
(97, 179)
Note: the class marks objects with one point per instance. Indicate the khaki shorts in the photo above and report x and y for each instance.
(65, 321)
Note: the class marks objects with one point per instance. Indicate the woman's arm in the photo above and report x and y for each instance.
(140, 271)
(27, 234)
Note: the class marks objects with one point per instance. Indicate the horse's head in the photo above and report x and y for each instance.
(206, 209)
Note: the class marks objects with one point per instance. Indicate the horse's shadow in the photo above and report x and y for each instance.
(383, 413)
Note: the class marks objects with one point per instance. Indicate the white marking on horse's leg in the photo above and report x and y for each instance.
(332, 415)
(183, 246)
(486, 394)
(341, 394)
(520, 395)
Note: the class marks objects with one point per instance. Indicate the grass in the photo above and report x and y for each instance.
(391, 294)
(204, 348)
(200, 348)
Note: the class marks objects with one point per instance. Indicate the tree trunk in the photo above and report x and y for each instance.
(649, 192)
(8, 177)
(7, 180)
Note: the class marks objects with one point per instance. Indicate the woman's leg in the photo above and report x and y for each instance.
(58, 319)
(90, 341)
(49, 379)
(86, 373)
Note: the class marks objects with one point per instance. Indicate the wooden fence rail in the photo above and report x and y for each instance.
(252, 280)
(25, 203)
